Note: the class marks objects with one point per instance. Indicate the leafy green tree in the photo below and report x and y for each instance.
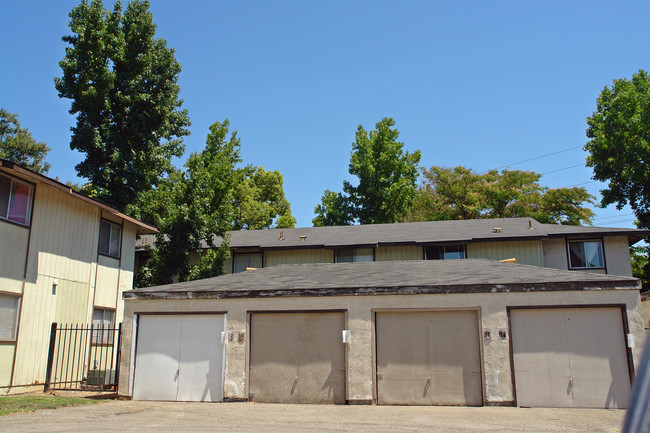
(259, 201)
(459, 193)
(17, 144)
(192, 207)
(123, 83)
(387, 180)
(335, 209)
(619, 144)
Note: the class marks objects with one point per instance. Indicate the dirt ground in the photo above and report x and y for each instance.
(131, 416)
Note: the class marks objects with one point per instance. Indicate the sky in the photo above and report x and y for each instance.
(481, 84)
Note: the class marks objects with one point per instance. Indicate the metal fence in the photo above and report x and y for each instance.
(83, 357)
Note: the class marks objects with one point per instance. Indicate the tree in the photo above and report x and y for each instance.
(259, 201)
(619, 144)
(123, 83)
(459, 193)
(387, 180)
(640, 266)
(192, 207)
(17, 144)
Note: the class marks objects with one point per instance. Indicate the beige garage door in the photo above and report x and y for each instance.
(428, 358)
(570, 357)
(297, 358)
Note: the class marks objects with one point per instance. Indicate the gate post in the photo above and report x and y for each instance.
(50, 358)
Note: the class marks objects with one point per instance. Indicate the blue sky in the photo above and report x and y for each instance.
(475, 83)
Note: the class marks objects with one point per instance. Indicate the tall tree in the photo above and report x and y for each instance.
(18, 145)
(190, 207)
(459, 193)
(123, 83)
(387, 180)
(619, 144)
(259, 201)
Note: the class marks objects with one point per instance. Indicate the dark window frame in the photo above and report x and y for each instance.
(248, 260)
(354, 250)
(112, 225)
(30, 201)
(444, 251)
(570, 266)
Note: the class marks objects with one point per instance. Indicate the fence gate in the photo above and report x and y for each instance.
(83, 357)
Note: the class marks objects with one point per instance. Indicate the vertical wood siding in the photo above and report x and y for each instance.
(108, 273)
(12, 265)
(526, 252)
(126, 269)
(6, 361)
(285, 257)
(408, 252)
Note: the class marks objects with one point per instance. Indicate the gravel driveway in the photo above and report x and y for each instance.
(130, 416)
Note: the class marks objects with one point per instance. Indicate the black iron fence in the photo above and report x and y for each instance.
(83, 357)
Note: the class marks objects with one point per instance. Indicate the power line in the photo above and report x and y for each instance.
(538, 157)
(565, 168)
(614, 216)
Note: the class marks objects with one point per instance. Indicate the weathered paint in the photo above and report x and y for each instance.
(12, 266)
(284, 257)
(555, 253)
(526, 252)
(360, 355)
(407, 252)
(617, 255)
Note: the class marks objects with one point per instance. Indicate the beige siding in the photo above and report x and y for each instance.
(526, 252)
(617, 255)
(409, 252)
(12, 266)
(646, 314)
(126, 270)
(288, 257)
(6, 361)
(38, 313)
(227, 266)
(72, 303)
(108, 274)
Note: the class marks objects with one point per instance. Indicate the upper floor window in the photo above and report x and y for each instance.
(445, 252)
(110, 238)
(346, 255)
(586, 254)
(9, 306)
(103, 324)
(248, 260)
(15, 200)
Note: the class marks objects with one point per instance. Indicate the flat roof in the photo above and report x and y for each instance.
(142, 228)
(389, 277)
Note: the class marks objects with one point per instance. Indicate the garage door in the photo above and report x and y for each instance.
(570, 357)
(179, 358)
(297, 358)
(428, 358)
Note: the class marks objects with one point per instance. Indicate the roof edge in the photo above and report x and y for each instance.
(144, 227)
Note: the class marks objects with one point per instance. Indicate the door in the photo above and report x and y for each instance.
(297, 358)
(570, 357)
(428, 358)
(179, 358)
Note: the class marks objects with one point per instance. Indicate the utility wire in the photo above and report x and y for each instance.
(565, 168)
(614, 216)
(538, 157)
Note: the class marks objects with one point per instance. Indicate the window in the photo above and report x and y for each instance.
(586, 255)
(445, 252)
(249, 260)
(15, 200)
(103, 324)
(347, 255)
(110, 238)
(9, 306)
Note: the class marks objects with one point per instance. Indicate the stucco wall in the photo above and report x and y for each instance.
(555, 253)
(360, 381)
(617, 255)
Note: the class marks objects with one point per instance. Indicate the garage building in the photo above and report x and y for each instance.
(472, 332)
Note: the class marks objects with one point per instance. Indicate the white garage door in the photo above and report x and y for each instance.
(570, 357)
(179, 358)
